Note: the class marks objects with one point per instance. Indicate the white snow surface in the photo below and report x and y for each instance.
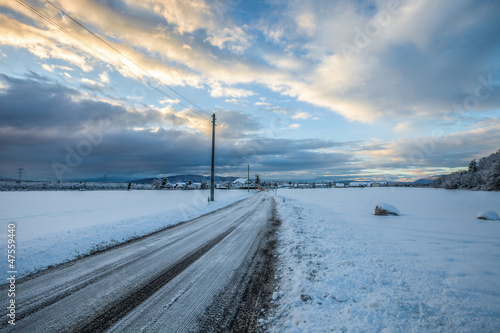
(488, 215)
(433, 269)
(388, 208)
(55, 227)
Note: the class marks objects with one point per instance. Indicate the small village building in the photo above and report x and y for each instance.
(243, 183)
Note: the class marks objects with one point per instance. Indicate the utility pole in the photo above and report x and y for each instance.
(212, 179)
(20, 171)
(248, 179)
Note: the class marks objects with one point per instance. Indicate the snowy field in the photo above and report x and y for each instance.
(435, 268)
(54, 227)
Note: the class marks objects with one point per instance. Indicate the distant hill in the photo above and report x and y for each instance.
(171, 179)
(185, 178)
(101, 180)
(425, 181)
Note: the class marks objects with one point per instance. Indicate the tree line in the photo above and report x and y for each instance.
(482, 175)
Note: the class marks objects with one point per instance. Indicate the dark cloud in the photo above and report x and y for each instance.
(446, 151)
(304, 160)
(430, 79)
(52, 130)
(237, 124)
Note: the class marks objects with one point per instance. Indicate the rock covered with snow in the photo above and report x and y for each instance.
(386, 209)
(488, 215)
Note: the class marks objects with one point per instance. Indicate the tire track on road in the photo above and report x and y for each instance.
(124, 305)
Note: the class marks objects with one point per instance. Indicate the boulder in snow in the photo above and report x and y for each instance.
(386, 209)
(488, 215)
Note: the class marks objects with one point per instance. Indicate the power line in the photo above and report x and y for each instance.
(117, 64)
(69, 33)
(123, 55)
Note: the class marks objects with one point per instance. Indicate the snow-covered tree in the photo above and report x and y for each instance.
(493, 179)
(164, 183)
(482, 175)
(472, 166)
(156, 184)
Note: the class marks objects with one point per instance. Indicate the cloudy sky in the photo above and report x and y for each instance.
(319, 89)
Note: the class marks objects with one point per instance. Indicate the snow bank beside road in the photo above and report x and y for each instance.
(54, 227)
(435, 268)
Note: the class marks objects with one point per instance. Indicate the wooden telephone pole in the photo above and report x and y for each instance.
(20, 172)
(212, 179)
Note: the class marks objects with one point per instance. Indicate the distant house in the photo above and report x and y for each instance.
(193, 186)
(179, 186)
(360, 184)
(243, 183)
(378, 184)
(339, 185)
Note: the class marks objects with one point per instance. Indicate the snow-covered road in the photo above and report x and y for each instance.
(160, 283)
